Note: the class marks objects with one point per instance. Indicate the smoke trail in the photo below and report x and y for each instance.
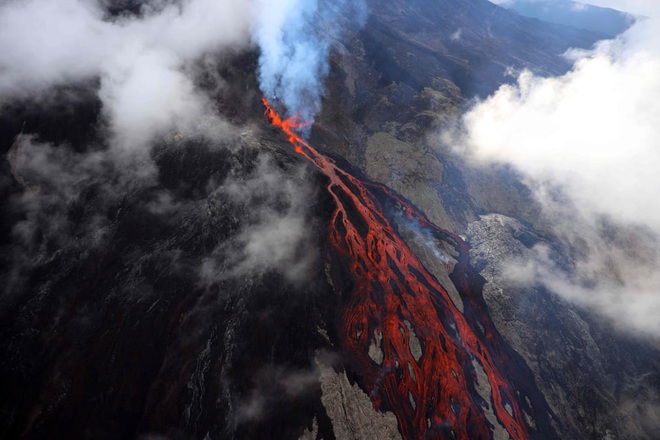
(295, 37)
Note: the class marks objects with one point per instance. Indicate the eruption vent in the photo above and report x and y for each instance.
(433, 394)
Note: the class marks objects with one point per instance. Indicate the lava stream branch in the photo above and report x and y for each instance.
(432, 393)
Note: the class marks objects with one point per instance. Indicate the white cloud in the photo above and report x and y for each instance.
(141, 62)
(588, 145)
(277, 232)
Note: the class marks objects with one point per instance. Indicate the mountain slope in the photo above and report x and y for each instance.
(603, 20)
(202, 298)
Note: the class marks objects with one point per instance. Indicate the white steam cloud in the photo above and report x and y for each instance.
(142, 62)
(588, 145)
(295, 37)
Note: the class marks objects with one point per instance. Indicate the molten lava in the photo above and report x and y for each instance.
(392, 294)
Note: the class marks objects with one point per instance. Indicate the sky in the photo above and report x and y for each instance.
(587, 144)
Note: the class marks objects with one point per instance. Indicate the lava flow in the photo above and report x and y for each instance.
(433, 393)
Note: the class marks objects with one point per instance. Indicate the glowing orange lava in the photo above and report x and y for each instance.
(432, 395)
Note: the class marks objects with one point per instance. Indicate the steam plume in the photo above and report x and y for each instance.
(295, 37)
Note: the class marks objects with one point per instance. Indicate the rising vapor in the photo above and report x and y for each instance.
(295, 37)
(588, 145)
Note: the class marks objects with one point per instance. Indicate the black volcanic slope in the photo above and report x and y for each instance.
(124, 314)
(471, 42)
(581, 15)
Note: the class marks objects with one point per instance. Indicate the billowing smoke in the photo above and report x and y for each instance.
(295, 37)
(588, 145)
